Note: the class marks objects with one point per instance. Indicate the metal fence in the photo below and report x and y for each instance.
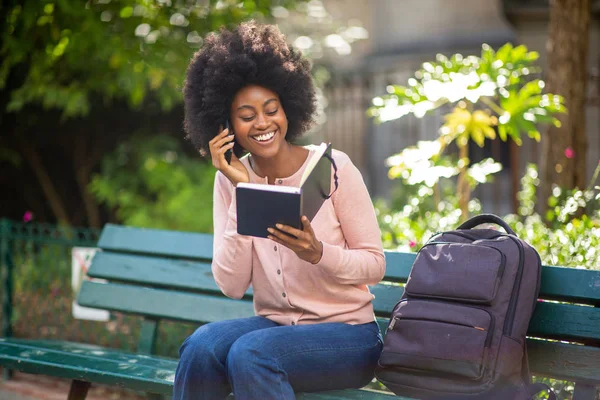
(37, 294)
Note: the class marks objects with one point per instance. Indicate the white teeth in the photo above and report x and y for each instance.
(264, 137)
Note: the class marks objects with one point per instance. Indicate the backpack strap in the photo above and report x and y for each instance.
(529, 390)
(486, 219)
(335, 176)
(525, 375)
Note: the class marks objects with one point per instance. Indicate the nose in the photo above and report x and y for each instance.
(261, 122)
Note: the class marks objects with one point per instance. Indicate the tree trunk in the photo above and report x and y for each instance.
(563, 160)
(36, 164)
(84, 160)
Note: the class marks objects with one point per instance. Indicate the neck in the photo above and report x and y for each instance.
(285, 163)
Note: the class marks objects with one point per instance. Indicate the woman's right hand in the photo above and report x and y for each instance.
(235, 172)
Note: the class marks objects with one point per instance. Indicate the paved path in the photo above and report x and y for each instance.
(5, 395)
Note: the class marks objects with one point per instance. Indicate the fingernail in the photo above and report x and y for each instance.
(279, 226)
(270, 230)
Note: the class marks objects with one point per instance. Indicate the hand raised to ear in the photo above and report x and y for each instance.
(234, 171)
(302, 242)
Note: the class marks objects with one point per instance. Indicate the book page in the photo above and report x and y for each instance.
(269, 188)
(313, 162)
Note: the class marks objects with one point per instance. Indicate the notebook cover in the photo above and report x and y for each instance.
(259, 209)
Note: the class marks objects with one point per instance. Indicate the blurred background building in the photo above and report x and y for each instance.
(404, 34)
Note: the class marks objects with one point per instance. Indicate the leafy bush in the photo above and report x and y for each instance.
(150, 182)
(492, 95)
(568, 235)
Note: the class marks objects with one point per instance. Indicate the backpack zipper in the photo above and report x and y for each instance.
(512, 306)
(489, 331)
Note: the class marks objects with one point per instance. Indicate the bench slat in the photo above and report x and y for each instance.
(567, 284)
(576, 362)
(89, 363)
(156, 242)
(558, 283)
(114, 367)
(160, 303)
(565, 321)
(154, 271)
(571, 285)
(549, 319)
(564, 361)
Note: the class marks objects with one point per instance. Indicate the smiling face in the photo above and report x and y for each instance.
(258, 121)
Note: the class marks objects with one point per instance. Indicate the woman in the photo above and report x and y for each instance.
(314, 327)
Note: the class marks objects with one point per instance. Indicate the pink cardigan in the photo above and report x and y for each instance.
(291, 291)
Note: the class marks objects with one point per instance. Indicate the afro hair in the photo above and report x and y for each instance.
(252, 53)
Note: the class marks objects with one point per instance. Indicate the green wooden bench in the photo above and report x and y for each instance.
(166, 275)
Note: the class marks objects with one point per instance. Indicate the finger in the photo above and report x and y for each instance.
(221, 142)
(307, 226)
(226, 147)
(219, 136)
(288, 229)
(281, 242)
(287, 238)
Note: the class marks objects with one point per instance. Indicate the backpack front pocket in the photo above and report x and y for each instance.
(457, 271)
(436, 337)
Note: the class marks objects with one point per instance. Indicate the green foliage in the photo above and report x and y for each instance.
(569, 235)
(424, 164)
(495, 82)
(489, 93)
(409, 228)
(150, 182)
(43, 267)
(65, 52)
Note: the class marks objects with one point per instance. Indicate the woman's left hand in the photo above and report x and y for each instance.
(302, 242)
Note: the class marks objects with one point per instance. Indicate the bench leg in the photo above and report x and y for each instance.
(78, 390)
(584, 392)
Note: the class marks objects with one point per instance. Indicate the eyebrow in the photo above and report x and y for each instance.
(252, 108)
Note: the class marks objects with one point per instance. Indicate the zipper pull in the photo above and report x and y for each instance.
(392, 324)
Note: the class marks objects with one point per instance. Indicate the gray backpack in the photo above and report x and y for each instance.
(459, 329)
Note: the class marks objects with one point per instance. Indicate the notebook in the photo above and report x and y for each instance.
(260, 206)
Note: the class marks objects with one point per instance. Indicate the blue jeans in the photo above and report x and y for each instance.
(259, 359)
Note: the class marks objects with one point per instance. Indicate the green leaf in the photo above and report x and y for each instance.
(126, 12)
(504, 52)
